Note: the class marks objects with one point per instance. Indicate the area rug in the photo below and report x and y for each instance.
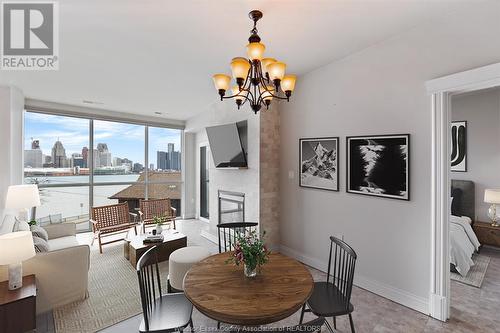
(113, 294)
(476, 274)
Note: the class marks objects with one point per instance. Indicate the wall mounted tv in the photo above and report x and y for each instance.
(228, 144)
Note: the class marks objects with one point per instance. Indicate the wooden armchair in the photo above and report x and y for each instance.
(149, 209)
(112, 219)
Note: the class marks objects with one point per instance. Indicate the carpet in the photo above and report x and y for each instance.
(113, 294)
(476, 274)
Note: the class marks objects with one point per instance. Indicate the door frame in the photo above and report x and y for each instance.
(198, 180)
(441, 91)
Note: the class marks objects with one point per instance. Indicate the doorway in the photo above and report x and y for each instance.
(204, 182)
(441, 91)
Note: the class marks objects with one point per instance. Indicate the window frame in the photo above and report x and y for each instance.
(91, 184)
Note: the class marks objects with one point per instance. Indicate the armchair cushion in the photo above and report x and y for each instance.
(62, 243)
(60, 230)
(39, 232)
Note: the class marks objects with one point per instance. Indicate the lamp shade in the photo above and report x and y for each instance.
(22, 196)
(276, 70)
(239, 95)
(492, 196)
(255, 51)
(288, 82)
(16, 247)
(265, 62)
(267, 94)
(240, 67)
(221, 81)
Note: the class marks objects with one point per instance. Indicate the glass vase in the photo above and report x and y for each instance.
(250, 271)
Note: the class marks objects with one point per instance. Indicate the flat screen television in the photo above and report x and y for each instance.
(228, 145)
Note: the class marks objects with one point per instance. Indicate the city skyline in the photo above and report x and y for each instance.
(123, 140)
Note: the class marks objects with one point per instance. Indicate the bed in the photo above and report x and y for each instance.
(463, 240)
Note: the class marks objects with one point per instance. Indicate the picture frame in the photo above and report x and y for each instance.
(379, 165)
(318, 163)
(458, 158)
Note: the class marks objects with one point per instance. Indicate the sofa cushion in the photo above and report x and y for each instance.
(40, 244)
(62, 243)
(39, 232)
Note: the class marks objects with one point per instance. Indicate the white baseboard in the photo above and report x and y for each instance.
(209, 236)
(438, 307)
(394, 294)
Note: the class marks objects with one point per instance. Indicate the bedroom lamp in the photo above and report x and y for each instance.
(15, 247)
(22, 198)
(492, 197)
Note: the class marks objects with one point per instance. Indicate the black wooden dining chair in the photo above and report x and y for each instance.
(309, 327)
(228, 232)
(161, 313)
(333, 297)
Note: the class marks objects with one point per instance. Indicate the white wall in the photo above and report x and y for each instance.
(379, 90)
(481, 110)
(244, 180)
(11, 137)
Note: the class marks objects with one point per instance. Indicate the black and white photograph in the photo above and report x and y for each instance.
(319, 163)
(379, 166)
(459, 146)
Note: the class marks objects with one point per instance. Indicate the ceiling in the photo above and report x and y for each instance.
(153, 56)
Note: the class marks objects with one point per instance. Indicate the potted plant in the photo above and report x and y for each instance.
(159, 220)
(251, 251)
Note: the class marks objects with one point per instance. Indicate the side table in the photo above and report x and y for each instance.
(18, 307)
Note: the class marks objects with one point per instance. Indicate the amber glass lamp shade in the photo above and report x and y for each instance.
(239, 95)
(267, 94)
(276, 70)
(266, 62)
(288, 82)
(240, 67)
(255, 51)
(221, 81)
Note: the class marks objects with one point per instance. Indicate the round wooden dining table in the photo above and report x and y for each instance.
(220, 290)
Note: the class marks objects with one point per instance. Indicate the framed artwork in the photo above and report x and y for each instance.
(379, 165)
(459, 146)
(319, 163)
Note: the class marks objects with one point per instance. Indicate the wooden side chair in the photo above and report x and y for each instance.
(161, 313)
(228, 232)
(333, 297)
(149, 209)
(111, 220)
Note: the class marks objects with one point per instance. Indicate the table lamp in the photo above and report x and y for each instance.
(492, 197)
(15, 247)
(22, 197)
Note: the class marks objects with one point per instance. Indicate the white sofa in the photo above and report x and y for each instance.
(61, 273)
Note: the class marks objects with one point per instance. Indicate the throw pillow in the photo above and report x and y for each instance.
(41, 245)
(39, 232)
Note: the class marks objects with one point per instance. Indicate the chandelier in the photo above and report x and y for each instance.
(258, 79)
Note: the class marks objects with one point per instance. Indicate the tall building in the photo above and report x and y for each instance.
(85, 155)
(33, 158)
(175, 160)
(161, 160)
(77, 160)
(59, 155)
(104, 155)
(170, 148)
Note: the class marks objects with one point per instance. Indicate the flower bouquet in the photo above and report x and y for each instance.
(251, 251)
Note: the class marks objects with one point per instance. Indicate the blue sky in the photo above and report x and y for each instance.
(123, 140)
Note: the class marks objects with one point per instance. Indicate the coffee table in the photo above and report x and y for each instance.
(172, 241)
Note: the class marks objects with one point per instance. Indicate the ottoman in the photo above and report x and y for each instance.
(179, 263)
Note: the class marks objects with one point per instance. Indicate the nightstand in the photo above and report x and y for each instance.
(18, 307)
(487, 234)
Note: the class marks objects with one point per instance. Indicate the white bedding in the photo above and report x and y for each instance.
(463, 244)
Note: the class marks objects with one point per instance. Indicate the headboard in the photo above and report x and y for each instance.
(464, 198)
